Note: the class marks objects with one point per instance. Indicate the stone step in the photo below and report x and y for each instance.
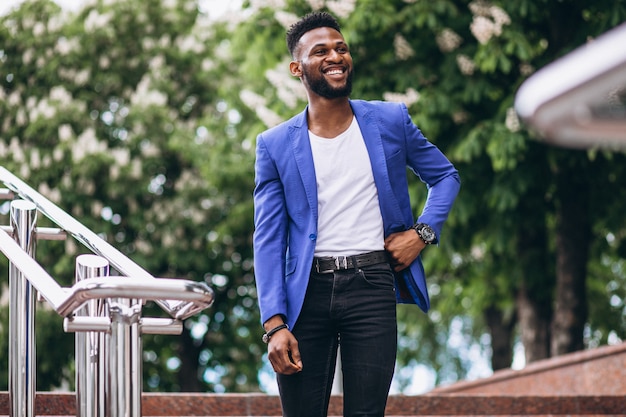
(256, 404)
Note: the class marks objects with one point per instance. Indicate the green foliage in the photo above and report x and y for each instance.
(139, 119)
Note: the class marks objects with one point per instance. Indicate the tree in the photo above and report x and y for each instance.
(139, 119)
(517, 245)
(115, 114)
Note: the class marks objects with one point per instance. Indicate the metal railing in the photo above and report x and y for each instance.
(104, 310)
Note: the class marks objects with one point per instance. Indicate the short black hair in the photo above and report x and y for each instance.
(309, 22)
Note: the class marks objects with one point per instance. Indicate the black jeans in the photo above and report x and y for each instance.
(357, 310)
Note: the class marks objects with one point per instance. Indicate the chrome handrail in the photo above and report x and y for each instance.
(176, 308)
(105, 311)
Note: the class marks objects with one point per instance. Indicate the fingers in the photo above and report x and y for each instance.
(403, 248)
(283, 353)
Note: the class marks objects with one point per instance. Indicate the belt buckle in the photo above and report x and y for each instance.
(322, 271)
(341, 262)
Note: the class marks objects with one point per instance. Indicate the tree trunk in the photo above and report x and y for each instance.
(188, 353)
(501, 329)
(572, 246)
(534, 322)
(534, 299)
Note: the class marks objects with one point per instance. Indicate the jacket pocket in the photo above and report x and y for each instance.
(290, 265)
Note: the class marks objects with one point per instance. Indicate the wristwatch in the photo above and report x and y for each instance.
(426, 233)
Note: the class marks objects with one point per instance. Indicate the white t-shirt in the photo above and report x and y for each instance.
(349, 220)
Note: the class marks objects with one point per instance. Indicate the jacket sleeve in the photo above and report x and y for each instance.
(435, 170)
(270, 234)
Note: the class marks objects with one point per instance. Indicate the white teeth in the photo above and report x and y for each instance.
(333, 72)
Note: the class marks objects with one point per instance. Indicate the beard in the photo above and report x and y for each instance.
(320, 86)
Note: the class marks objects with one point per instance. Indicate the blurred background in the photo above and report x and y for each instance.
(139, 118)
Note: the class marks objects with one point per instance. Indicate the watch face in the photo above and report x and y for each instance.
(427, 234)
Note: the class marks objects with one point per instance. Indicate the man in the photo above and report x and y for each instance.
(335, 243)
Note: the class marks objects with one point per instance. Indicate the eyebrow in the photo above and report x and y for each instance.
(324, 45)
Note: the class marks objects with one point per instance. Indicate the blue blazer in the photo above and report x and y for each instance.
(285, 201)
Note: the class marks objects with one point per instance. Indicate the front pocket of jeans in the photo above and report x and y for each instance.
(379, 276)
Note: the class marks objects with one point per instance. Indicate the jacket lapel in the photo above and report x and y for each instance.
(299, 137)
(389, 207)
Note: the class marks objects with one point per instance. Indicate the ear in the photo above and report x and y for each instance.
(295, 67)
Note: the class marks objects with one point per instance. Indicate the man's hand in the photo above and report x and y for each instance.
(282, 349)
(403, 248)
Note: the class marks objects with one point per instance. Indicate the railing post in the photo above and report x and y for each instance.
(91, 349)
(22, 359)
(124, 365)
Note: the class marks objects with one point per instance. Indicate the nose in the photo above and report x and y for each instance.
(334, 56)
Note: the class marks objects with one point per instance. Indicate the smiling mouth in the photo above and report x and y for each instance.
(334, 71)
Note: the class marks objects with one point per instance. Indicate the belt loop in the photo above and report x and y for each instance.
(356, 267)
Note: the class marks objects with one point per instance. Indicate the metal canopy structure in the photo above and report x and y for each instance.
(579, 100)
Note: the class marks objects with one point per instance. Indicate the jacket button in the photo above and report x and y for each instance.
(312, 236)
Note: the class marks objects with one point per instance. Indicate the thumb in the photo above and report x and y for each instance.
(294, 357)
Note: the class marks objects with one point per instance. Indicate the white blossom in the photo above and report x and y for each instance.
(480, 8)
(165, 41)
(136, 168)
(53, 195)
(148, 44)
(252, 99)
(59, 93)
(35, 158)
(410, 97)
(207, 64)
(24, 171)
(459, 117)
(482, 28)
(341, 8)
(96, 21)
(87, 144)
(144, 96)
(46, 161)
(500, 17)
(526, 69)
(15, 150)
(190, 44)
(81, 77)
(43, 109)
(149, 150)
(157, 62)
(104, 62)
(63, 46)
(512, 120)
(316, 4)
(270, 4)
(39, 29)
(448, 40)
(55, 23)
(269, 117)
(285, 19)
(15, 99)
(121, 156)
(27, 56)
(488, 20)
(65, 132)
(466, 65)
(288, 88)
(57, 154)
(402, 48)
(20, 117)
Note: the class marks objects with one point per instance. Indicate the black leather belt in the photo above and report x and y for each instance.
(327, 264)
